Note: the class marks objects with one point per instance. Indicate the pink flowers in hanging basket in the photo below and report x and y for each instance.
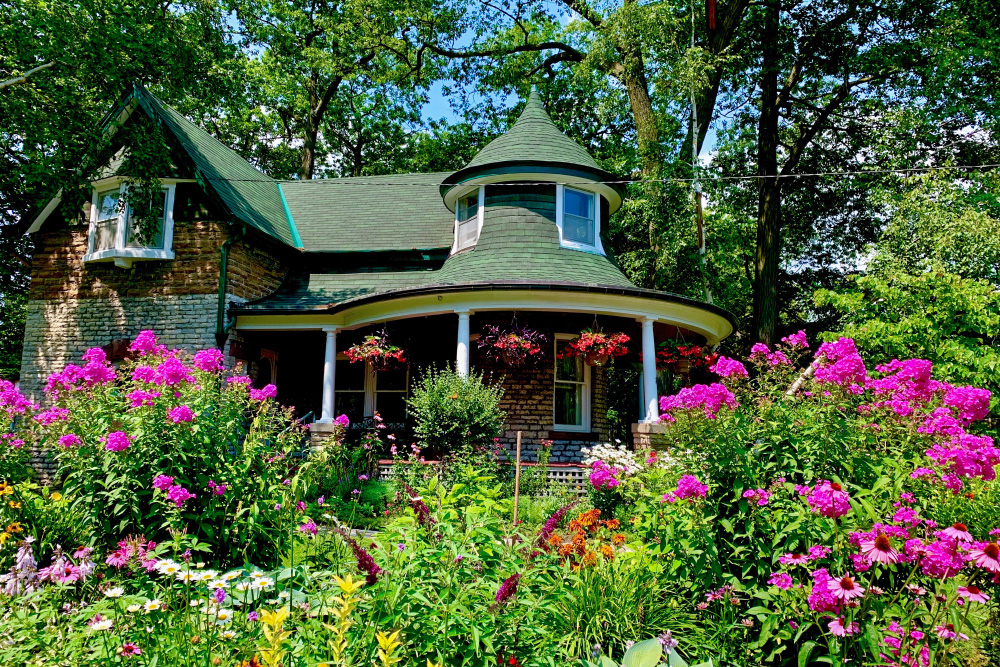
(376, 351)
(597, 348)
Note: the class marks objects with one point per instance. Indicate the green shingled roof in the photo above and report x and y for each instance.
(533, 138)
(252, 196)
(370, 213)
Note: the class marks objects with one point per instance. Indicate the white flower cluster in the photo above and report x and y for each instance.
(619, 457)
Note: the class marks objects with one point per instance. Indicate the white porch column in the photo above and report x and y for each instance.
(462, 352)
(329, 375)
(649, 372)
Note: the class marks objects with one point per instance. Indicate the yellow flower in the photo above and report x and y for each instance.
(15, 527)
(6, 489)
(14, 505)
(434, 664)
(387, 648)
(4, 537)
(348, 585)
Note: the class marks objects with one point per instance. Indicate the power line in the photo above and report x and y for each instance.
(625, 181)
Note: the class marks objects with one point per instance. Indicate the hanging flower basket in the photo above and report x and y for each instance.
(597, 348)
(377, 352)
(514, 347)
(683, 357)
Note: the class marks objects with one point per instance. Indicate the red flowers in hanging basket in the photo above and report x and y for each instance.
(683, 357)
(376, 351)
(514, 347)
(597, 348)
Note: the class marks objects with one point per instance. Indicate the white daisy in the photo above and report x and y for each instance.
(115, 592)
(284, 595)
(232, 574)
(228, 634)
(217, 583)
(104, 624)
(242, 586)
(207, 575)
(256, 574)
(224, 615)
(186, 575)
(152, 605)
(263, 583)
(133, 608)
(168, 567)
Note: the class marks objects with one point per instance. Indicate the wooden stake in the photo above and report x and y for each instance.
(517, 476)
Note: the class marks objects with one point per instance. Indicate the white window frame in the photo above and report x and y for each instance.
(598, 247)
(480, 214)
(121, 254)
(371, 390)
(585, 391)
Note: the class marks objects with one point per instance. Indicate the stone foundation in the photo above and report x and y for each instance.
(646, 436)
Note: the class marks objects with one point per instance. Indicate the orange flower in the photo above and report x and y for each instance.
(618, 540)
(566, 549)
(607, 551)
(555, 540)
(589, 559)
(574, 526)
(612, 524)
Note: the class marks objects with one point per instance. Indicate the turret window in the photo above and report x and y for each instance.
(578, 220)
(468, 220)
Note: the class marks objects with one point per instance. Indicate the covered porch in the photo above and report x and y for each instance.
(559, 403)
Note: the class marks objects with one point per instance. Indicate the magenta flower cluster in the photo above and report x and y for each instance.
(710, 398)
(829, 499)
(762, 354)
(603, 475)
(839, 363)
(725, 367)
(181, 413)
(117, 441)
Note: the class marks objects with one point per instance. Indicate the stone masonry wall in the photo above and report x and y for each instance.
(256, 268)
(528, 393)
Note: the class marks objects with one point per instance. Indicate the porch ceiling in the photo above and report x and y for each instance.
(355, 311)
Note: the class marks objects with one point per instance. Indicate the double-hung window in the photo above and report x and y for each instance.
(571, 389)
(468, 219)
(361, 392)
(124, 232)
(578, 219)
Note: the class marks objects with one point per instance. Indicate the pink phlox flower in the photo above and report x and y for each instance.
(797, 339)
(239, 380)
(760, 496)
(689, 486)
(821, 598)
(947, 631)
(906, 515)
(209, 360)
(69, 440)
(668, 497)
(181, 413)
(172, 371)
(140, 397)
(179, 495)
(829, 499)
(780, 579)
(943, 421)
(840, 364)
(269, 391)
(939, 559)
(710, 398)
(803, 490)
(603, 475)
(48, 417)
(908, 497)
(216, 489)
(12, 400)
(762, 354)
(921, 472)
(145, 343)
(162, 482)
(818, 551)
(838, 629)
(971, 403)
(345, 422)
(726, 367)
(116, 441)
(309, 527)
(144, 374)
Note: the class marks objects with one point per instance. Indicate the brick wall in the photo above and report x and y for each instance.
(528, 391)
(256, 268)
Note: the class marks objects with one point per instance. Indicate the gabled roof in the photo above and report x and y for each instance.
(248, 193)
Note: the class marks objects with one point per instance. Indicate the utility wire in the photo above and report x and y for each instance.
(350, 180)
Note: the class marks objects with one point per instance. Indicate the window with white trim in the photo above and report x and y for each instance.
(571, 389)
(468, 219)
(578, 219)
(361, 392)
(114, 233)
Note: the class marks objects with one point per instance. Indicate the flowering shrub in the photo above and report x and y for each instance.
(377, 351)
(514, 346)
(166, 441)
(683, 356)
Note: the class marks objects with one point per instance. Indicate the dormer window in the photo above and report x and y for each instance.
(578, 220)
(468, 219)
(115, 234)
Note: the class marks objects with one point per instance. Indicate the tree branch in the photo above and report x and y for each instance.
(24, 77)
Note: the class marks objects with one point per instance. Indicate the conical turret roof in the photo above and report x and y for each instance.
(534, 137)
(533, 149)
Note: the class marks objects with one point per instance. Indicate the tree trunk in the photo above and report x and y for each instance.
(646, 128)
(765, 289)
